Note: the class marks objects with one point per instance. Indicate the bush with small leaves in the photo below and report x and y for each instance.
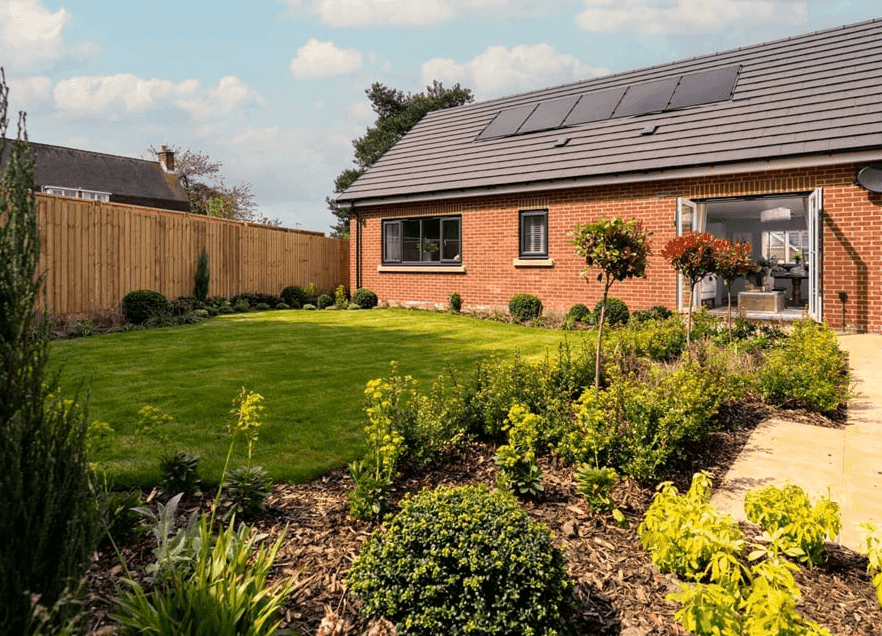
(341, 297)
(308, 307)
(580, 313)
(226, 309)
(139, 306)
(525, 307)
(364, 298)
(202, 313)
(180, 473)
(262, 307)
(455, 302)
(324, 301)
(281, 306)
(616, 311)
(294, 296)
(464, 560)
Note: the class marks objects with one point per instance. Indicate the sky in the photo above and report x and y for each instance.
(274, 90)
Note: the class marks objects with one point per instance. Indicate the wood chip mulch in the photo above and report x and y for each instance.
(620, 592)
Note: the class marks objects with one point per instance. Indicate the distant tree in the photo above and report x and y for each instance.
(620, 250)
(202, 277)
(47, 510)
(209, 194)
(397, 112)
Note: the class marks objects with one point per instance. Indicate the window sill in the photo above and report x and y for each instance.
(421, 269)
(533, 262)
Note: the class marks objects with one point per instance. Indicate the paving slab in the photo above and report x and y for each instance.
(845, 462)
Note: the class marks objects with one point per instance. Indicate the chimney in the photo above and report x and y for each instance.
(167, 159)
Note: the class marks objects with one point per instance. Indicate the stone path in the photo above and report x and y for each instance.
(845, 462)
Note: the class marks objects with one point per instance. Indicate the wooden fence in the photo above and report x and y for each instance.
(94, 253)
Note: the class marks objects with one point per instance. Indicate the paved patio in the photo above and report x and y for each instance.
(845, 462)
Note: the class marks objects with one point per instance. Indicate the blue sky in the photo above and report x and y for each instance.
(274, 89)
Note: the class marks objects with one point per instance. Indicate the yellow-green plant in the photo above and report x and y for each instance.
(595, 485)
(803, 527)
(872, 547)
(247, 487)
(248, 410)
(516, 460)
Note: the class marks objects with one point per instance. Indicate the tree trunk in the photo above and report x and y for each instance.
(600, 335)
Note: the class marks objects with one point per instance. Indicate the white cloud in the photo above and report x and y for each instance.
(98, 95)
(359, 13)
(229, 94)
(28, 91)
(324, 59)
(31, 34)
(687, 16)
(502, 71)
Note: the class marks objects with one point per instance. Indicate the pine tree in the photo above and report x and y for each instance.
(46, 513)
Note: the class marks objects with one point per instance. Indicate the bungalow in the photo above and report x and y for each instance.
(779, 144)
(83, 174)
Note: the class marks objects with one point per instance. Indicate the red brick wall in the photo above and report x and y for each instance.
(852, 243)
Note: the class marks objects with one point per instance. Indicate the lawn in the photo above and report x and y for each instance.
(311, 368)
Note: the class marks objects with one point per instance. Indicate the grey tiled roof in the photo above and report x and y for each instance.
(128, 180)
(816, 94)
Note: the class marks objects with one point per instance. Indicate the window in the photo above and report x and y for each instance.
(785, 244)
(429, 240)
(77, 193)
(534, 234)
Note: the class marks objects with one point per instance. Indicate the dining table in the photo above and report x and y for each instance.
(795, 275)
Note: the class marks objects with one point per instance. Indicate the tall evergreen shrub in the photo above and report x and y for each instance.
(46, 516)
(200, 285)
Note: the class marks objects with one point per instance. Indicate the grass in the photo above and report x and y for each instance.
(310, 366)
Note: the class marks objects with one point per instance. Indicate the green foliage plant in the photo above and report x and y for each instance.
(807, 369)
(364, 298)
(140, 306)
(616, 311)
(687, 535)
(803, 527)
(202, 277)
(580, 313)
(693, 256)
(324, 301)
(525, 307)
(620, 250)
(595, 484)
(180, 473)
(247, 487)
(47, 522)
(518, 470)
(871, 546)
(294, 296)
(455, 301)
(463, 560)
(341, 297)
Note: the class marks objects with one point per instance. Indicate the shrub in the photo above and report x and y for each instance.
(226, 309)
(47, 513)
(525, 307)
(803, 527)
(309, 307)
(120, 519)
(807, 369)
(294, 296)
(281, 306)
(616, 311)
(595, 485)
(201, 278)
(203, 313)
(463, 560)
(455, 302)
(247, 489)
(139, 306)
(324, 301)
(687, 535)
(341, 297)
(262, 307)
(364, 298)
(180, 473)
(580, 313)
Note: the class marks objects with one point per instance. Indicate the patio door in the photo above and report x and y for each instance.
(814, 207)
(690, 217)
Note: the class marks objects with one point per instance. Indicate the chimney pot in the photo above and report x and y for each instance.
(167, 159)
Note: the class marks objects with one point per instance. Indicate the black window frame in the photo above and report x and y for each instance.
(522, 247)
(442, 223)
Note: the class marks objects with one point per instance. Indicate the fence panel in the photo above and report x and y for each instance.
(94, 253)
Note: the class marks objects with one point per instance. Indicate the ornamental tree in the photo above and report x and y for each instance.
(733, 261)
(620, 250)
(693, 255)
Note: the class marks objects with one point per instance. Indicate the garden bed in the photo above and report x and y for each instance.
(619, 590)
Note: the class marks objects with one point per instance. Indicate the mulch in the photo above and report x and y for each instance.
(620, 591)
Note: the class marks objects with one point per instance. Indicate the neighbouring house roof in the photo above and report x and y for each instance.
(812, 98)
(127, 180)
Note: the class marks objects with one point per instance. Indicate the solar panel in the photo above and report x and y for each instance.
(705, 87)
(507, 122)
(648, 97)
(548, 115)
(594, 107)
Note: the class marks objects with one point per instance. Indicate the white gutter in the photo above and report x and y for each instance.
(631, 177)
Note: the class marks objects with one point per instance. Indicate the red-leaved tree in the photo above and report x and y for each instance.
(733, 261)
(693, 255)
